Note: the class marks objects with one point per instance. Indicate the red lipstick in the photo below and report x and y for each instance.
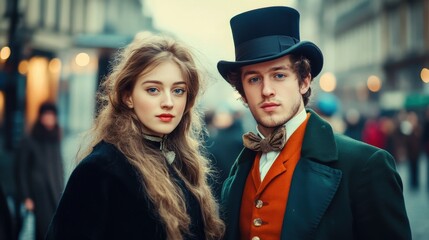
(165, 117)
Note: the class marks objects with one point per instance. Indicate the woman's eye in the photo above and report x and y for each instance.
(152, 90)
(179, 91)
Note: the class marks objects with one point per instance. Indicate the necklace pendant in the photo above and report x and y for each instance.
(170, 156)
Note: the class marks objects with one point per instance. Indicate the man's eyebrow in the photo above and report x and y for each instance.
(248, 73)
(283, 67)
(275, 68)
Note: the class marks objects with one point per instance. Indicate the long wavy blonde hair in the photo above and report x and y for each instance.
(117, 124)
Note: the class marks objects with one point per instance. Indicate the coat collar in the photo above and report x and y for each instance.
(311, 180)
(319, 142)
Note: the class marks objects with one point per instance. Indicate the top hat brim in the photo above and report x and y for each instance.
(305, 48)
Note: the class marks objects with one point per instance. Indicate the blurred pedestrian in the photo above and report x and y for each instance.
(6, 227)
(425, 139)
(297, 178)
(412, 131)
(225, 145)
(142, 175)
(39, 168)
(327, 106)
(372, 133)
(354, 124)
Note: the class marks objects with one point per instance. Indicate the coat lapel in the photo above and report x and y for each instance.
(233, 191)
(314, 183)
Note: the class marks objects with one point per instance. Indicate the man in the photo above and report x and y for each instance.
(319, 185)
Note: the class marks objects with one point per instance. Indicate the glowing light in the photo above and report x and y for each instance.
(374, 83)
(82, 59)
(23, 67)
(54, 65)
(424, 75)
(1, 105)
(328, 82)
(5, 53)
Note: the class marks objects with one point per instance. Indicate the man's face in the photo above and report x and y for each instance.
(272, 92)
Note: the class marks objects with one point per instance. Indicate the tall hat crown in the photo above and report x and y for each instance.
(265, 34)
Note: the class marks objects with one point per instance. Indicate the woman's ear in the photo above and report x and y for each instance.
(128, 101)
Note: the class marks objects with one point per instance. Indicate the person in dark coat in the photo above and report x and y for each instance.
(425, 143)
(6, 227)
(225, 145)
(297, 179)
(142, 175)
(39, 168)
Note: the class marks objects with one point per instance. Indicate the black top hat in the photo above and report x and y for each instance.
(265, 34)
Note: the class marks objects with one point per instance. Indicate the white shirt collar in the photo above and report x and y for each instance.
(267, 159)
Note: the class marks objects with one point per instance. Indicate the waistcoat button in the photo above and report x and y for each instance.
(259, 203)
(257, 222)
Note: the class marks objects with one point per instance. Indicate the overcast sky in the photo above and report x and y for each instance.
(204, 24)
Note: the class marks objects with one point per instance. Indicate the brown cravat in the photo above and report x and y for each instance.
(274, 142)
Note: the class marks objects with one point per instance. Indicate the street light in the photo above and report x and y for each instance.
(82, 59)
(374, 83)
(5, 53)
(424, 75)
(328, 82)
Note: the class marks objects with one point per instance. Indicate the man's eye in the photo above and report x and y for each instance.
(279, 75)
(253, 79)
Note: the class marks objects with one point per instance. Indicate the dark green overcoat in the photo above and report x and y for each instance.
(341, 189)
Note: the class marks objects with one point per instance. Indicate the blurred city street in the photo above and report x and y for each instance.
(373, 87)
(417, 201)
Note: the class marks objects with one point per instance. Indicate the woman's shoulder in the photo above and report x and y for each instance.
(104, 156)
(107, 160)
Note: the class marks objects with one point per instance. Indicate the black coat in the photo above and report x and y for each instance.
(5, 217)
(224, 149)
(341, 189)
(40, 176)
(104, 199)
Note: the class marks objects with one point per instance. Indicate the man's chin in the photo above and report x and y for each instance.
(271, 123)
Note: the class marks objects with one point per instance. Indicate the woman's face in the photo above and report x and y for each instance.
(159, 98)
(48, 119)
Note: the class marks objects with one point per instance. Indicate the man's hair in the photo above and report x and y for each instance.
(301, 66)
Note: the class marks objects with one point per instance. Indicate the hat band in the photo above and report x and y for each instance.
(263, 47)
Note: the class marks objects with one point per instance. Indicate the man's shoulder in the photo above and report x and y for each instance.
(357, 150)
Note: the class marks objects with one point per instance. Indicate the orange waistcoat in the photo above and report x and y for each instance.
(263, 204)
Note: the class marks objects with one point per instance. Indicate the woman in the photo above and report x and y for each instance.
(144, 178)
(40, 174)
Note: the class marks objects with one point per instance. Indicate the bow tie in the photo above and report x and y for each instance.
(274, 142)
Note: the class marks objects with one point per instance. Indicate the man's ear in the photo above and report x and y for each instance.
(305, 85)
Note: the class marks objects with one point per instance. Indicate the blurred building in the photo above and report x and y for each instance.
(376, 52)
(59, 50)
